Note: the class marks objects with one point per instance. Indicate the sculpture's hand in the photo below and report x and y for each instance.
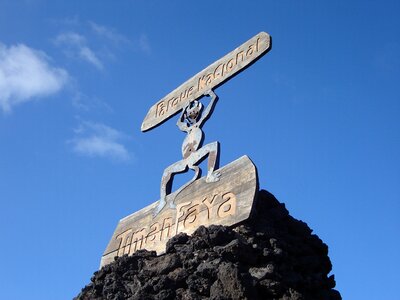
(213, 177)
(184, 111)
(181, 123)
(210, 93)
(210, 107)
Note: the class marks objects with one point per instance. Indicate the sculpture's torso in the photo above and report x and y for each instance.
(192, 141)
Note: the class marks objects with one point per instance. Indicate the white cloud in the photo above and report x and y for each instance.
(99, 140)
(109, 33)
(87, 54)
(73, 21)
(85, 103)
(144, 44)
(76, 45)
(26, 74)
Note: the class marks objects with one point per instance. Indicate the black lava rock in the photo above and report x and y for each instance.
(269, 256)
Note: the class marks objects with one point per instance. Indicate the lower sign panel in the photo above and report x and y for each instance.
(225, 202)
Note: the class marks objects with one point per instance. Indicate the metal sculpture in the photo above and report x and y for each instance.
(191, 121)
(225, 196)
(193, 116)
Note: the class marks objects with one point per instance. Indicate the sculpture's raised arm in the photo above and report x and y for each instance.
(207, 112)
(181, 123)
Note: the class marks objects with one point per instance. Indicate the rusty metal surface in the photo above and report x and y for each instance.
(211, 77)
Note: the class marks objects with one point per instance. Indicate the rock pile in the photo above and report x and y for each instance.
(270, 256)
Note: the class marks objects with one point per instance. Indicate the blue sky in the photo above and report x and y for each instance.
(318, 115)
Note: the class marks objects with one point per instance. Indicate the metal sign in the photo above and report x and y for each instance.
(226, 202)
(209, 78)
(224, 196)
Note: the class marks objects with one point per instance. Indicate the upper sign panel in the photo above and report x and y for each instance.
(209, 78)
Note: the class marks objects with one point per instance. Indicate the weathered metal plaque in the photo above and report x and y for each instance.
(224, 202)
(209, 78)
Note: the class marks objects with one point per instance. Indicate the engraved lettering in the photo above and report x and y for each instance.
(250, 51)
(185, 94)
(210, 78)
(161, 109)
(137, 240)
(180, 214)
(228, 207)
(201, 83)
(125, 241)
(191, 217)
(241, 55)
(154, 231)
(190, 91)
(166, 228)
(172, 102)
(219, 71)
(182, 95)
(208, 204)
(230, 64)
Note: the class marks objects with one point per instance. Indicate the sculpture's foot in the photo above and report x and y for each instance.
(172, 204)
(159, 207)
(213, 177)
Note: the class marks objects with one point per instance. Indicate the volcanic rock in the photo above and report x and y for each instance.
(269, 256)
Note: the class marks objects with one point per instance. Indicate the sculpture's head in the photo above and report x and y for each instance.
(193, 111)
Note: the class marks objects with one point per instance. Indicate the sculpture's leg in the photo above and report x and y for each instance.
(196, 170)
(213, 163)
(166, 183)
(213, 159)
